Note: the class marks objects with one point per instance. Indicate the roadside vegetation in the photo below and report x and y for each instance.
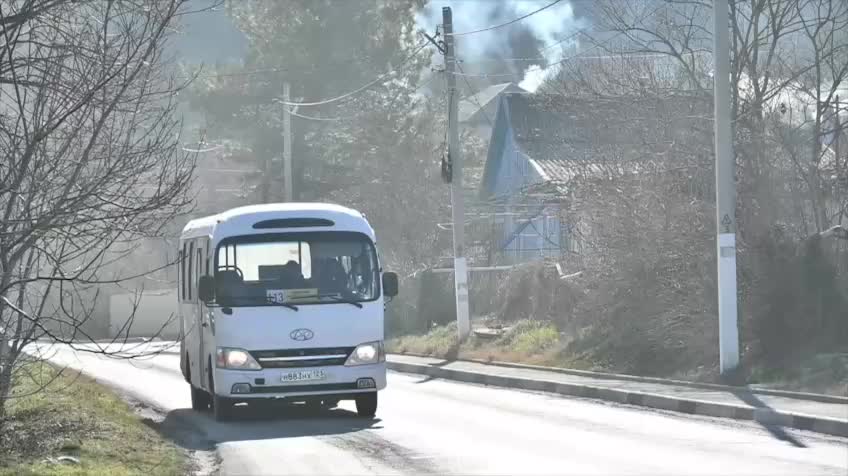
(636, 290)
(601, 323)
(526, 341)
(66, 424)
(541, 343)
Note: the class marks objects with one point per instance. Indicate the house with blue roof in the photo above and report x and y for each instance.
(543, 144)
(477, 112)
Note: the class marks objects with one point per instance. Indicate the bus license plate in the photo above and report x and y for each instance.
(304, 376)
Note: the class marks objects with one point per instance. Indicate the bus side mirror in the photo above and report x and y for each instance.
(390, 284)
(206, 289)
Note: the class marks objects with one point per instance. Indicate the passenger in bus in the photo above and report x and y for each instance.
(292, 276)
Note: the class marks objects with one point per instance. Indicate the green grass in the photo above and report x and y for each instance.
(438, 342)
(527, 341)
(539, 343)
(529, 337)
(77, 417)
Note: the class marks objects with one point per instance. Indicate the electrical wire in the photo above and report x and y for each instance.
(237, 74)
(482, 75)
(569, 37)
(516, 20)
(322, 119)
(577, 56)
(474, 97)
(634, 55)
(565, 59)
(379, 79)
(354, 116)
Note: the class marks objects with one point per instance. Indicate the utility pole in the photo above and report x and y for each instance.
(287, 151)
(836, 165)
(836, 137)
(725, 196)
(267, 169)
(460, 265)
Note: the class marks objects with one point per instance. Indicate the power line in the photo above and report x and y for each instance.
(516, 20)
(280, 69)
(563, 60)
(322, 119)
(569, 58)
(237, 74)
(474, 96)
(356, 91)
(354, 116)
(579, 56)
(569, 37)
(610, 56)
(482, 75)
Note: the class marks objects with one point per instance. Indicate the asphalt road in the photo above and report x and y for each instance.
(438, 427)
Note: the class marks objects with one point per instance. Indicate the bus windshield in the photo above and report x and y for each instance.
(296, 268)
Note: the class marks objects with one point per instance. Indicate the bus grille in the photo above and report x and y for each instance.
(290, 358)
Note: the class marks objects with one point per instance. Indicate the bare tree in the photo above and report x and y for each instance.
(784, 53)
(789, 65)
(90, 161)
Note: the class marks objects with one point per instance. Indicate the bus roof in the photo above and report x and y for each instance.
(241, 220)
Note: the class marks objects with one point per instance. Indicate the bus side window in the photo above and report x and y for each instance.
(183, 259)
(179, 271)
(199, 267)
(190, 279)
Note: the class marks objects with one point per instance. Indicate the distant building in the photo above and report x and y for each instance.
(540, 143)
(478, 112)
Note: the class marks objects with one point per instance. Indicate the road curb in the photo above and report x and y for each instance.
(764, 416)
(814, 397)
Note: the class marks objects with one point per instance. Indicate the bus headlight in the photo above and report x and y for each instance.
(236, 359)
(368, 353)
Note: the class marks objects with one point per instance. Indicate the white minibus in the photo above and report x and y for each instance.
(282, 301)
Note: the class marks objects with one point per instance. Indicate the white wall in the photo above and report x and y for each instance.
(155, 309)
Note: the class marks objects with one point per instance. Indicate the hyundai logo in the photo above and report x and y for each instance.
(301, 334)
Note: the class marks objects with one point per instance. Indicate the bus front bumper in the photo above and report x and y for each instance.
(292, 383)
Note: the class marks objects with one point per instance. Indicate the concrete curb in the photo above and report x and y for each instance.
(764, 416)
(814, 397)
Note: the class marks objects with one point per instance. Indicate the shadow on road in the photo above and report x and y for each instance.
(776, 430)
(194, 430)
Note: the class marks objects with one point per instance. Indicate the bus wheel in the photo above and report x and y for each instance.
(222, 407)
(199, 399)
(366, 405)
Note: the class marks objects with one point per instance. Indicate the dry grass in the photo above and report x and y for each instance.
(77, 417)
(438, 342)
(539, 343)
(528, 341)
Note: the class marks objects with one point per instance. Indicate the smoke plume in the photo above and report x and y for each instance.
(519, 52)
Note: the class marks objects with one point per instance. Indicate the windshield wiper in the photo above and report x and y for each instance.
(284, 304)
(246, 300)
(340, 299)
